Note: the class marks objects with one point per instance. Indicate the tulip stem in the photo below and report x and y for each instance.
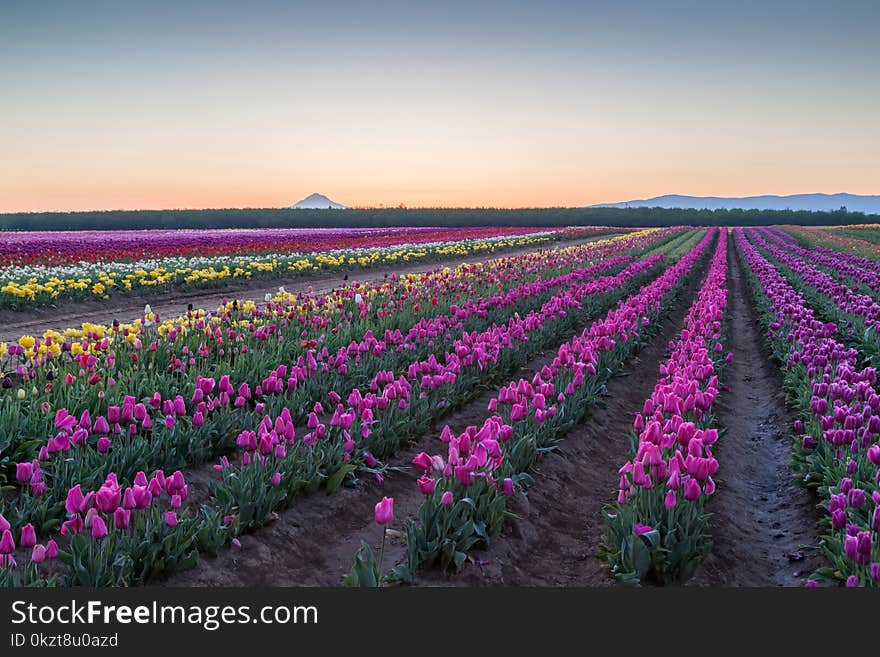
(382, 554)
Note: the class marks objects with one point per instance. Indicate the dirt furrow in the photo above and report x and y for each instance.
(759, 514)
(14, 324)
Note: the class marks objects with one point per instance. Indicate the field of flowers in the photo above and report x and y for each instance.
(133, 452)
(42, 268)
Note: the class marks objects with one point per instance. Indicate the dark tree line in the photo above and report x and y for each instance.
(365, 218)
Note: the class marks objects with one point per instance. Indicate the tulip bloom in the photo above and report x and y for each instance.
(121, 518)
(75, 500)
(171, 519)
(446, 499)
(38, 554)
(384, 512)
(691, 489)
(23, 472)
(99, 528)
(7, 543)
(426, 485)
(28, 536)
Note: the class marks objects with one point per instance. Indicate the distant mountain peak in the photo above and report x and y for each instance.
(317, 202)
(808, 202)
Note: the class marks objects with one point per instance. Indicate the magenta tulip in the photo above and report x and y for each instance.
(75, 500)
(99, 528)
(385, 511)
(121, 518)
(7, 543)
(28, 536)
(38, 554)
(426, 485)
(691, 489)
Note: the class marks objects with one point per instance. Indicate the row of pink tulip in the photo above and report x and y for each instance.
(657, 529)
(163, 416)
(256, 446)
(837, 450)
(466, 487)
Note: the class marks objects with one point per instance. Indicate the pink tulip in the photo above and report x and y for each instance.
(23, 472)
(75, 501)
(171, 519)
(121, 518)
(7, 543)
(691, 489)
(422, 461)
(28, 536)
(426, 485)
(385, 511)
(99, 528)
(38, 554)
(51, 549)
(446, 499)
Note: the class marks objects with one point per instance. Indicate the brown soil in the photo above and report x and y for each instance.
(15, 323)
(313, 542)
(759, 513)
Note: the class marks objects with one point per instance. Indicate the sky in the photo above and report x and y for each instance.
(124, 105)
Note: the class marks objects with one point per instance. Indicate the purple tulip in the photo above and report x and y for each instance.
(446, 499)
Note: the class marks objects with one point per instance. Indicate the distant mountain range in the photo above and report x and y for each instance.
(317, 202)
(810, 202)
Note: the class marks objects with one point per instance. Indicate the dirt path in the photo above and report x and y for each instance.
(759, 513)
(14, 324)
(561, 523)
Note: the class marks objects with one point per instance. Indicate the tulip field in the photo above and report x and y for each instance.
(586, 406)
(42, 268)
